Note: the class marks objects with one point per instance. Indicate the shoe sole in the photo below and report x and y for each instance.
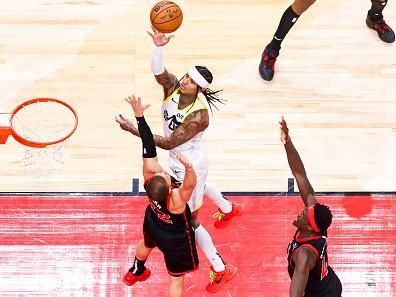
(372, 28)
(241, 210)
(138, 280)
(233, 274)
(224, 225)
(229, 278)
(262, 76)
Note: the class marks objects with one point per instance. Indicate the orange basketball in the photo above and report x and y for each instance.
(166, 16)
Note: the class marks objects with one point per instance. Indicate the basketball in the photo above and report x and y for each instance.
(166, 16)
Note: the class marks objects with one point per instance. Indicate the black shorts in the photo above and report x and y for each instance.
(178, 246)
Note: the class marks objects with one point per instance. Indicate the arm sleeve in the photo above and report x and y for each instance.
(149, 150)
(157, 64)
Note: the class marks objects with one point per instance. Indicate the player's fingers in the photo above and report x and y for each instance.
(119, 119)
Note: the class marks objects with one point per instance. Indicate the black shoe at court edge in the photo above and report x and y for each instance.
(385, 33)
(267, 64)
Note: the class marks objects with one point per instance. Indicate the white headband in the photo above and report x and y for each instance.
(198, 78)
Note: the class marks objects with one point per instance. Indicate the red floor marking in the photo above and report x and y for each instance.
(357, 208)
(82, 246)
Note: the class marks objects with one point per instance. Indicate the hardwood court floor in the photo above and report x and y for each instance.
(335, 84)
(81, 245)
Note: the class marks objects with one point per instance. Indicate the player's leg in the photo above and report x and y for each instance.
(138, 272)
(176, 286)
(214, 194)
(205, 243)
(181, 257)
(226, 209)
(375, 20)
(220, 273)
(203, 188)
(271, 51)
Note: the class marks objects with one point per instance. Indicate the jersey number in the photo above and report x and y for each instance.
(161, 216)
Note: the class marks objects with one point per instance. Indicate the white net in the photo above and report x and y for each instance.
(44, 162)
(41, 122)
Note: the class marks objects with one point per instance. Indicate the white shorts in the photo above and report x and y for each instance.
(201, 167)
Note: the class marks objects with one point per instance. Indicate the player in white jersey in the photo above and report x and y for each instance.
(185, 116)
(172, 118)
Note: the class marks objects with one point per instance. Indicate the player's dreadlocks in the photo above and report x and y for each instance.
(210, 95)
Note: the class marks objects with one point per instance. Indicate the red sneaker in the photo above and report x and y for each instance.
(385, 33)
(267, 63)
(218, 280)
(129, 279)
(224, 219)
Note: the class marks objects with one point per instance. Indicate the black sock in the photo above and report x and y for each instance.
(289, 18)
(138, 267)
(375, 13)
(149, 150)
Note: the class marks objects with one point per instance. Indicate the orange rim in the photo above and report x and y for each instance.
(39, 144)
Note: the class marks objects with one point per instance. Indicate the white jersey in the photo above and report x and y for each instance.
(173, 117)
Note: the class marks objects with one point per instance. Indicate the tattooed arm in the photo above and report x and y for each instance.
(168, 81)
(194, 123)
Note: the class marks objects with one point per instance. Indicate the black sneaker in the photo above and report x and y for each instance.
(385, 33)
(267, 64)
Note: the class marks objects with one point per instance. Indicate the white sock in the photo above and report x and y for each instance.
(214, 194)
(205, 243)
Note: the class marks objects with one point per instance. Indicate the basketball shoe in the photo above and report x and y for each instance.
(385, 33)
(224, 219)
(218, 280)
(130, 279)
(267, 64)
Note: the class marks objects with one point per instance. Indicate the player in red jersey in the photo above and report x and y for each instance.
(307, 255)
(167, 221)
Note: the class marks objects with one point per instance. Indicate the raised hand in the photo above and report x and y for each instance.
(284, 131)
(126, 125)
(184, 161)
(137, 105)
(160, 39)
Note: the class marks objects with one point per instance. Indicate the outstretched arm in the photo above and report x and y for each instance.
(297, 167)
(304, 260)
(194, 123)
(189, 181)
(167, 80)
(150, 162)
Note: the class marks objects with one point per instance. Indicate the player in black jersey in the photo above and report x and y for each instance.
(167, 220)
(307, 256)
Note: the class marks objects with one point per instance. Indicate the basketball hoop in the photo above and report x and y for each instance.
(39, 122)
